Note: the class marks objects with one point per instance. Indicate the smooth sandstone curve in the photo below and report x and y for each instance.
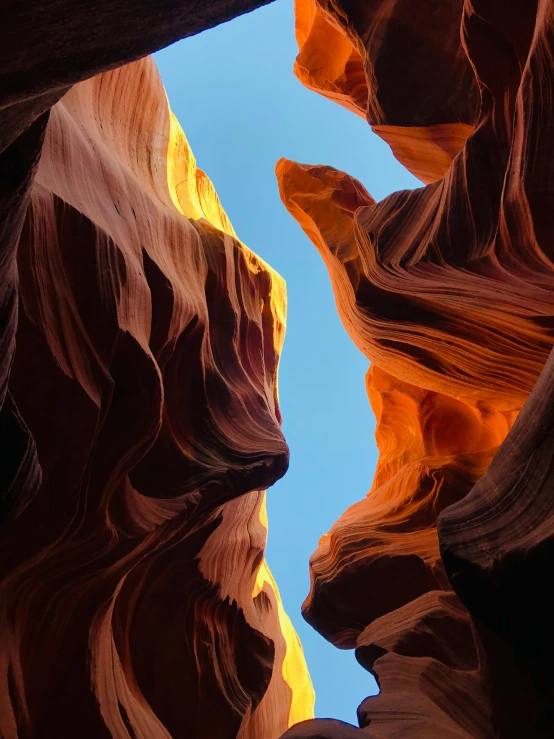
(136, 601)
(447, 289)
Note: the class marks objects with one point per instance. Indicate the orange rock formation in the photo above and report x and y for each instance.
(144, 426)
(139, 417)
(447, 290)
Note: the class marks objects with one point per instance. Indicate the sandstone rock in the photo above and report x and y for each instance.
(497, 545)
(422, 314)
(45, 47)
(48, 45)
(448, 291)
(423, 699)
(135, 599)
(432, 449)
(427, 667)
(326, 728)
(403, 68)
(139, 418)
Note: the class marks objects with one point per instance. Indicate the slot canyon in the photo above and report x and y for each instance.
(140, 425)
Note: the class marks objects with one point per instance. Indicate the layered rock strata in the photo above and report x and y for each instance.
(139, 420)
(140, 428)
(447, 289)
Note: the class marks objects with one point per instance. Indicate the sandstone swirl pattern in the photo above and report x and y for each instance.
(140, 423)
(139, 418)
(448, 290)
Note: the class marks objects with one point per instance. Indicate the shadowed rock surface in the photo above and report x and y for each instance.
(448, 291)
(325, 728)
(498, 544)
(402, 67)
(439, 694)
(140, 423)
(139, 417)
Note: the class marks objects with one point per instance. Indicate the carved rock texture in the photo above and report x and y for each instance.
(447, 289)
(326, 728)
(498, 546)
(432, 450)
(403, 67)
(49, 45)
(140, 429)
(45, 47)
(412, 698)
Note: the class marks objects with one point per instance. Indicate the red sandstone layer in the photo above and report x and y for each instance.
(447, 289)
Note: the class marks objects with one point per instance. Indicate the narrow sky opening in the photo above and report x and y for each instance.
(233, 90)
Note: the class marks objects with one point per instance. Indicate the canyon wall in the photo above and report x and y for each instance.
(139, 415)
(140, 421)
(439, 577)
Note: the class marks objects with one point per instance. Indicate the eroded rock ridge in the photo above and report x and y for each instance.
(140, 422)
(447, 289)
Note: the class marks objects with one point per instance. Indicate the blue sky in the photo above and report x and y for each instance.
(233, 90)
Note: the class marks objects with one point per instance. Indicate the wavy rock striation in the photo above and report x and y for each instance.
(447, 289)
(140, 429)
(497, 544)
(139, 417)
(402, 68)
(46, 46)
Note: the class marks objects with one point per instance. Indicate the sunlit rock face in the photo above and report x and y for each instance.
(403, 67)
(141, 427)
(447, 289)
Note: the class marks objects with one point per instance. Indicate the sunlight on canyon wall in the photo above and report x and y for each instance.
(142, 425)
(139, 413)
(447, 289)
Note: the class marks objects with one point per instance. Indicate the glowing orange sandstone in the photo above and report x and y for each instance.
(447, 289)
(384, 551)
(135, 599)
(355, 60)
